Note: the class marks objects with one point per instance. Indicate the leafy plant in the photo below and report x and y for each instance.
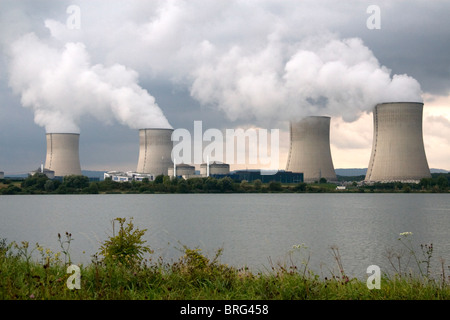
(127, 246)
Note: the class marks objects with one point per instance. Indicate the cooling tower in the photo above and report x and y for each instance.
(310, 149)
(155, 151)
(398, 152)
(62, 154)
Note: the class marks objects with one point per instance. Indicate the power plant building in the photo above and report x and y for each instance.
(398, 152)
(309, 150)
(181, 170)
(252, 175)
(63, 154)
(214, 168)
(120, 176)
(49, 173)
(155, 151)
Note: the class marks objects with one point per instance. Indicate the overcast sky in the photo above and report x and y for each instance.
(107, 68)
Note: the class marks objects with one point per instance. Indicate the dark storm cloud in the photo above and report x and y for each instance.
(415, 39)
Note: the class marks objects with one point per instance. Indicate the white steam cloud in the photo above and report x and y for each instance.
(61, 86)
(258, 61)
(318, 76)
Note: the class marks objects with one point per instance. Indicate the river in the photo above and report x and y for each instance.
(254, 230)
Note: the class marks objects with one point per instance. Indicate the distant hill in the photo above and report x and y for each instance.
(362, 171)
(87, 173)
(438, 171)
(351, 172)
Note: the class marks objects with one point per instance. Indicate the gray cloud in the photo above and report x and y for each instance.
(169, 44)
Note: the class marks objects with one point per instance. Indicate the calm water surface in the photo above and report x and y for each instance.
(255, 230)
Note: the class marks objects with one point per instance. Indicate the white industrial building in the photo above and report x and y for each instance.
(49, 173)
(309, 150)
(120, 176)
(398, 152)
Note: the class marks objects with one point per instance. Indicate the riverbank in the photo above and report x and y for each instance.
(41, 184)
(188, 280)
(121, 271)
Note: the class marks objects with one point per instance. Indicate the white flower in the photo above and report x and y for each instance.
(405, 234)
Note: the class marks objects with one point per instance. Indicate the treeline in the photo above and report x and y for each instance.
(439, 182)
(75, 184)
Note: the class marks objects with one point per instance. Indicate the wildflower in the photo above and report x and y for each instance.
(299, 246)
(405, 234)
(32, 296)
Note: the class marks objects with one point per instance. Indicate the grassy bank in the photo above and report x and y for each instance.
(125, 269)
(22, 280)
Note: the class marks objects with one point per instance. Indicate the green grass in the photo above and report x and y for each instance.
(193, 276)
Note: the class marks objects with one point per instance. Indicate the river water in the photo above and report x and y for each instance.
(254, 230)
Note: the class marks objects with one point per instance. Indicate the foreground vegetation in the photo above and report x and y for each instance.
(123, 269)
(41, 184)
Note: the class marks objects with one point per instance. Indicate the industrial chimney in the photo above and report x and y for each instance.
(155, 151)
(310, 149)
(62, 154)
(398, 152)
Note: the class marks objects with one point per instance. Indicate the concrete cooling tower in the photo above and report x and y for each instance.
(398, 152)
(62, 154)
(310, 149)
(155, 151)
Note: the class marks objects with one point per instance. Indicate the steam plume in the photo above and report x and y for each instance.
(318, 76)
(61, 86)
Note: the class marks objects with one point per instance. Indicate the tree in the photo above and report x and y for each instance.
(227, 184)
(300, 187)
(275, 186)
(442, 182)
(425, 183)
(258, 184)
(35, 182)
(182, 186)
(210, 184)
(50, 185)
(76, 181)
(159, 179)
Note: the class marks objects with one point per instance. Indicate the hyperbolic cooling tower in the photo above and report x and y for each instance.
(155, 151)
(62, 154)
(398, 152)
(310, 149)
